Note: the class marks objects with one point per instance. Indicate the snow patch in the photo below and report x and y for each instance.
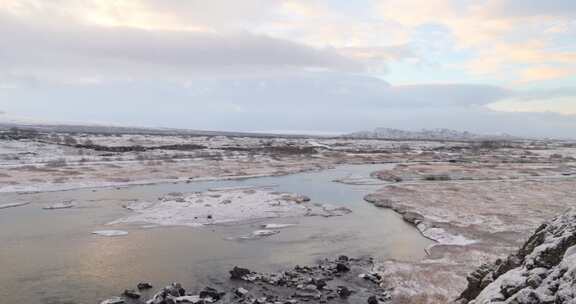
(115, 300)
(63, 205)
(110, 232)
(224, 206)
(442, 237)
(264, 232)
(276, 226)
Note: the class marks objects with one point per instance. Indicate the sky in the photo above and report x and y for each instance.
(312, 66)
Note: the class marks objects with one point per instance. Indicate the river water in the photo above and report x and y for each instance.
(50, 256)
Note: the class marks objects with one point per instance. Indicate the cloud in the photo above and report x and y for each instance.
(560, 101)
(379, 55)
(125, 52)
(312, 91)
(144, 14)
(326, 102)
(562, 106)
(501, 35)
(545, 72)
(533, 8)
(290, 64)
(534, 94)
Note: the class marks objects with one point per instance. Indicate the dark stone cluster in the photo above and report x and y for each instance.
(339, 280)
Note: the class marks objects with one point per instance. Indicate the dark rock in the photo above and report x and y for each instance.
(372, 300)
(343, 291)
(373, 277)
(319, 283)
(303, 284)
(508, 289)
(132, 294)
(341, 267)
(210, 292)
(168, 294)
(525, 296)
(239, 273)
(240, 292)
(343, 258)
(144, 285)
(175, 289)
(475, 280)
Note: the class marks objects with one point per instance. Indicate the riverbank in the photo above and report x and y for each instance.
(473, 220)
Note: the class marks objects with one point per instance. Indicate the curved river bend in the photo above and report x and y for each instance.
(51, 257)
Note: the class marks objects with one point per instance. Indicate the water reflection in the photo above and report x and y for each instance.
(50, 256)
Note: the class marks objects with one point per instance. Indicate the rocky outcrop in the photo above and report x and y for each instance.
(542, 271)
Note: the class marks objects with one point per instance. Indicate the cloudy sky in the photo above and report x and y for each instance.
(293, 65)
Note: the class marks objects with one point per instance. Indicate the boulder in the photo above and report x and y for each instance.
(144, 285)
(343, 291)
(372, 300)
(131, 293)
(209, 292)
(239, 273)
(341, 267)
(240, 292)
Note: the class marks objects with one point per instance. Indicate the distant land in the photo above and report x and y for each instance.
(428, 134)
(7, 122)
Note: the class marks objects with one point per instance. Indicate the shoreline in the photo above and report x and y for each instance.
(488, 219)
(102, 185)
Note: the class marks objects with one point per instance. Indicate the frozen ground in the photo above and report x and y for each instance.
(478, 200)
(45, 162)
(476, 213)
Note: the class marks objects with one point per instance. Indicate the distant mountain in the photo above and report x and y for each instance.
(424, 134)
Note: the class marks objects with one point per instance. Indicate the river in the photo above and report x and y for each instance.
(50, 256)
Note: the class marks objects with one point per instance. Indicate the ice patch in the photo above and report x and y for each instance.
(110, 232)
(256, 234)
(264, 232)
(115, 300)
(224, 206)
(63, 205)
(276, 226)
(193, 299)
(442, 237)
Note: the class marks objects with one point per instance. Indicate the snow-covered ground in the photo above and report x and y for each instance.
(219, 206)
(493, 196)
(479, 219)
(66, 161)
